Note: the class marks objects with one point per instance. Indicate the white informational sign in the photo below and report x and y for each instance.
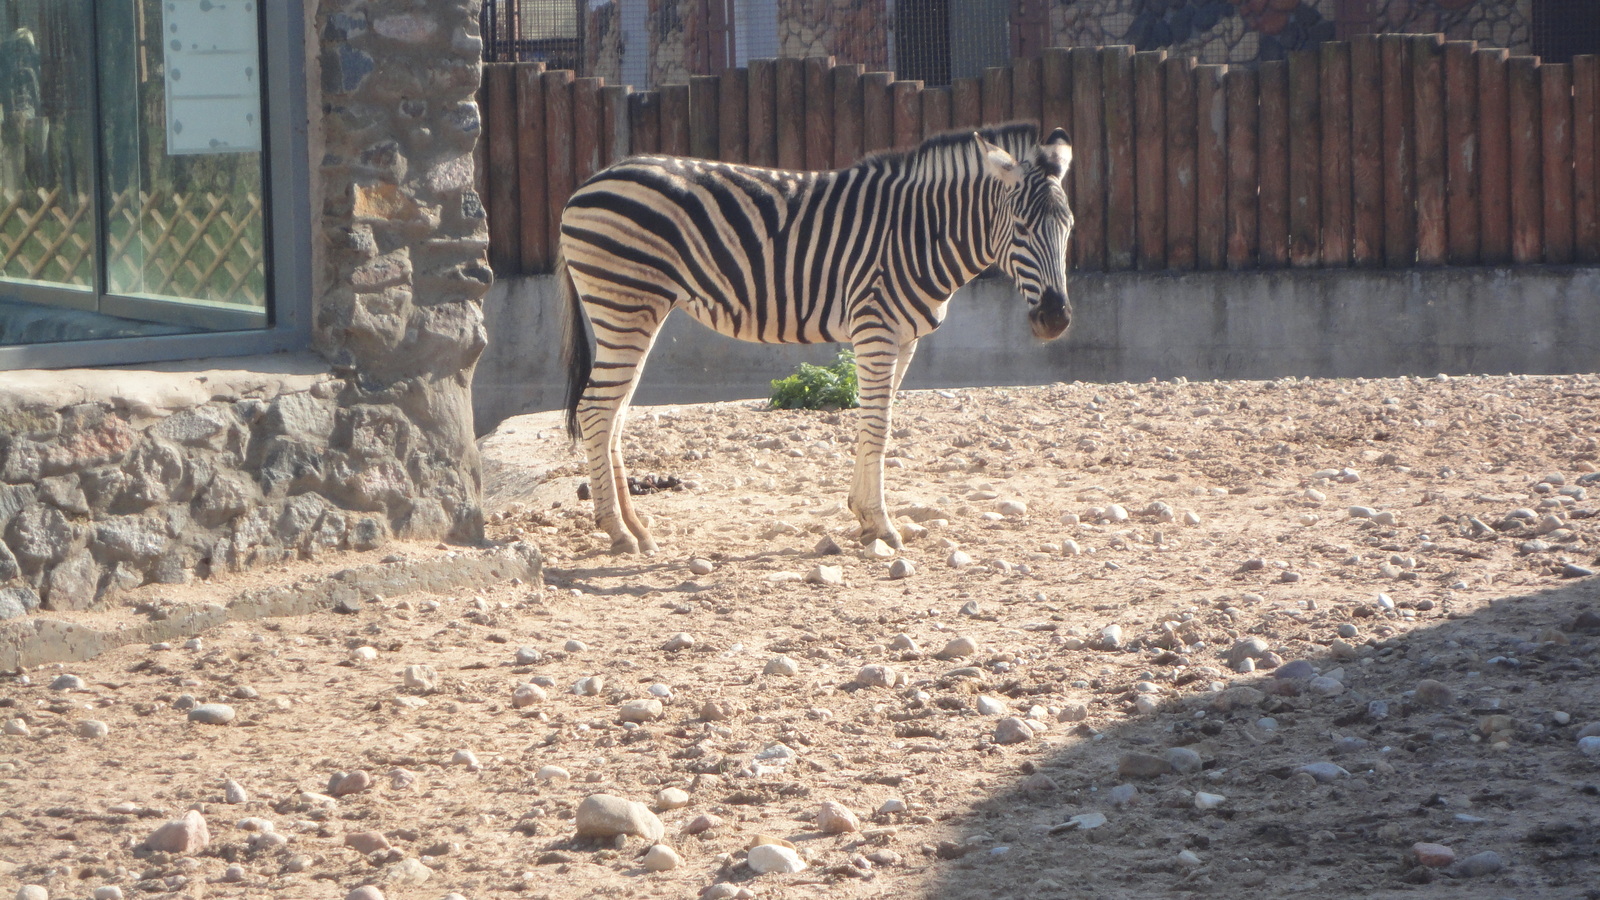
(213, 76)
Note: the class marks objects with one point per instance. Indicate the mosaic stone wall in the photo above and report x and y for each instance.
(1258, 30)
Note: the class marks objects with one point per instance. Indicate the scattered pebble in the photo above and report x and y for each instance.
(958, 559)
(419, 678)
(1203, 800)
(365, 892)
(958, 648)
(93, 729)
(186, 835)
(527, 656)
(552, 773)
(1434, 693)
(835, 818)
(212, 714)
(991, 706)
(1324, 772)
(1183, 760)
(17, 727)
(525, 695)
(782, 666)
(365, 842)
(830, 576)
(766, 859)
(672, 798)
(574, 646)
(1142, 765)
(683, 640)
(67, 683)
(701, 566)
(877, 676)
(642, 710)
(1434, 856)
(343, 784)
(661, 858)
(1012, 730)
(902, 568)
(234, 792)
(1486, 863)
(702, 823)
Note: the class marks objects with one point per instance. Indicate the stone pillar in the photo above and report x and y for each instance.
(399, 310)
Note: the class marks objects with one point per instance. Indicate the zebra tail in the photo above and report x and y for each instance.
(575, 351)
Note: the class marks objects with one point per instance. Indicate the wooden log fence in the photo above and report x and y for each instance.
(1392, 150)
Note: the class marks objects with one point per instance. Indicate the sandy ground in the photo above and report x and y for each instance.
(1289, 696)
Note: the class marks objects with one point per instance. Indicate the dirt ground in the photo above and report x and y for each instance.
(1226, 681)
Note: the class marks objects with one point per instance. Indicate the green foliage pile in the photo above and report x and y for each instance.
(819, 387)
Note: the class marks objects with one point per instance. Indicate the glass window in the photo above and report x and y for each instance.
(133, 159)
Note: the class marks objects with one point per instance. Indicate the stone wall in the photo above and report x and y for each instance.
(110, 479)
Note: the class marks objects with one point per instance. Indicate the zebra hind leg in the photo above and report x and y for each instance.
(878, 367)
(620, 351)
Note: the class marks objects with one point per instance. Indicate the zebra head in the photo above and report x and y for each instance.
(1040, 223)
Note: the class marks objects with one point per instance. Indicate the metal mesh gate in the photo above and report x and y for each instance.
(548, 31)
(1563, 29)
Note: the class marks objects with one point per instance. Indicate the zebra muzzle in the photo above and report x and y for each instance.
(1051, 316)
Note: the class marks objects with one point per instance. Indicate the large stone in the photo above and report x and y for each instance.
(605, 815)
(769, 858)
(17, 601)
(74, 584)
(186, 835)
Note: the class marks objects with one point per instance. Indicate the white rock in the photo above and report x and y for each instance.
(406, 872)
(552, 773)
(958, 559)
(958, 647)
(1589, 746)
(343, 784)
(93, 729)
(1087, 821)
(661, 858)
(836, 818)
(605, 815)
(672, 798)
(526, 695)
(1203, 800)
(877, 550)
(645, 709)
(991, 706)
(365, 892)
(212, 714)
(574, 646)
(769, 858)
(182, 836)
(107, 892)
(419, 678)
(466, 758)
(831, 576)
(877, 676)
(905, 643)
(699, 566)
(892, 806)
(17, 727)
(1011, 508)
(1188, 859)
(363, 654)
(234, 792)
(781, 665)
(33, 892)
(683, 640)
(902, 568)
(1012, 730)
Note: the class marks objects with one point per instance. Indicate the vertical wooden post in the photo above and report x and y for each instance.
(1088, 166)
(733, 116)
(846, 114)
(1182, 189)
(505, 239)
(877, 112)
(1555, 81)
(1244, 181)
(791, 113)
(1337, 173)
(1273, 161)
(1211, 167)
(674, 119)
(616, 139)
(906, 98)
(704, 107)
(1586, 158)
(1026, 85)
(532, 168)
(586, 128)
(1399, 187)
(935, 111)
(1427, 74)
(644, 118)
(1494, 157)
(966, 103)
(1366, 151)
(996, 95)
(558, 153)
(1305, 159)
(819, 113)
(1056, 90)
(761, 120)
(1461, 151)
(1527, 159)
(1150, 157)
(1116, 80)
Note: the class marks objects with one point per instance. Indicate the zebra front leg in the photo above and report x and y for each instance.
(878, 359)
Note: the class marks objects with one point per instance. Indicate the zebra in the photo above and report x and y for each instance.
(868, 254)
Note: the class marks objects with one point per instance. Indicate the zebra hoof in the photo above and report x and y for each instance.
(890, 537)
(625, 546)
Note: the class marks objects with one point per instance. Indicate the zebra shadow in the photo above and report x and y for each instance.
(1462, 732)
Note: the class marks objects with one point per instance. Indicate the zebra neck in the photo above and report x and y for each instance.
(950, 222)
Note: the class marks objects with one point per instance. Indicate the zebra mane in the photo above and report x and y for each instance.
(1017, 138)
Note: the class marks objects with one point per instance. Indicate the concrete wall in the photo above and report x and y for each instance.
(1127, 327)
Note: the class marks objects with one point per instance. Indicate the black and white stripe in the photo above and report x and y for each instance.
(868, 254)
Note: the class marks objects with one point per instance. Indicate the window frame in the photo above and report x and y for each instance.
(286, 185)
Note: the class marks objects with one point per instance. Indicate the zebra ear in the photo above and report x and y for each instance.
(1054, 156)
(997, 162)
